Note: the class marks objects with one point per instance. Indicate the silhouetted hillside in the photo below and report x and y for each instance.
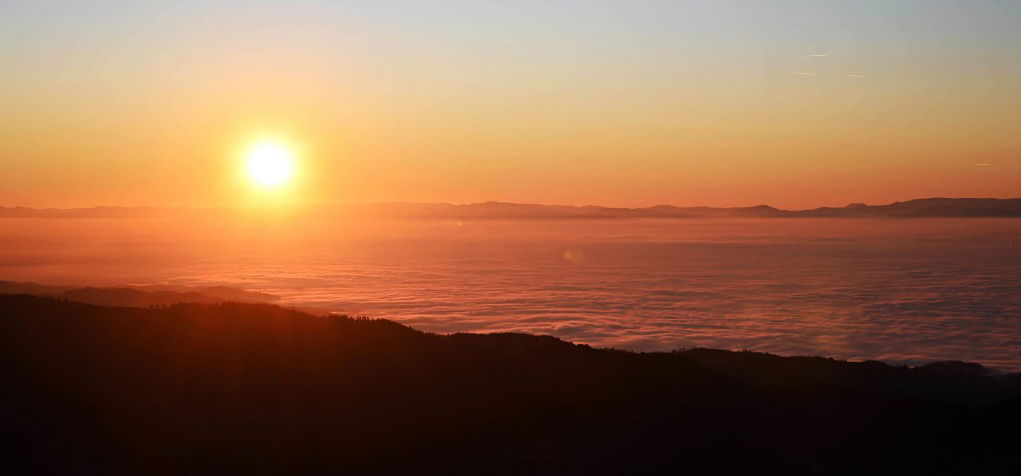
(137, 296)
(254, 388)
(927, 207)
(930, 207)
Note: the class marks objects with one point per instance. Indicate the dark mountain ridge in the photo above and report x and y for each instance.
(228, 388)
(137, 296)
(919, 208)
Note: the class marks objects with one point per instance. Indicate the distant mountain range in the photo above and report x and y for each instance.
(138, 296)
(925, 207)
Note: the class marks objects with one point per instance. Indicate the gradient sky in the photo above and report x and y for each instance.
(795, 103)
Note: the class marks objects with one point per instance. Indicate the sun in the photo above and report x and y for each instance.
(269, 164)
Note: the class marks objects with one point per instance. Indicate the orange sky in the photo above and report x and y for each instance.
(793, 104)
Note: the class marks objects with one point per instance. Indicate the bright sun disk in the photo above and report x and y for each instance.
(269, 164)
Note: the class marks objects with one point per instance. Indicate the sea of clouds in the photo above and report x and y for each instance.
(902, 291)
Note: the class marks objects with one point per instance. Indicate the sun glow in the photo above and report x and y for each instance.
(269, 164)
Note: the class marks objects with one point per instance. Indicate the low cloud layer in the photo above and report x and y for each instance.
(902, 291)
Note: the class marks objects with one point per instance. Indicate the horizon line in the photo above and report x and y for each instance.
(487, 202)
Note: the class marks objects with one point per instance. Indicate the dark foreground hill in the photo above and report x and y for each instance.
(253, 388)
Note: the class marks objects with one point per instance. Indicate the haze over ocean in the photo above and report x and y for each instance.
(905, 291)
